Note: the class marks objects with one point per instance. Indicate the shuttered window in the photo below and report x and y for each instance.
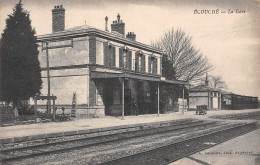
(109, 55)
(155, 65)
(129, 60)
(149, 64)
(136, 61)
(121, 56)
(106, 54)
(143, 63)
(112, 56)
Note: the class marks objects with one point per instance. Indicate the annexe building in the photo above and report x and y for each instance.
(111, 74)
(205, 95)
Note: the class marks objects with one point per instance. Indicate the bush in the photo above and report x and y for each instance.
(24, 108)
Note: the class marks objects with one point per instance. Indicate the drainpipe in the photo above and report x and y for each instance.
(158, 112)
(123, 98)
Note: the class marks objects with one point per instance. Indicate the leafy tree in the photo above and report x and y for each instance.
(167, 68)
(21, 73)
(188, 62)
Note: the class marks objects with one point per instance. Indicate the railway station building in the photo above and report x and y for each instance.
(110, 72)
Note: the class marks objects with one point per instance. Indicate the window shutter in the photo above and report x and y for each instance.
(114, 56)
(136, 61)
(155, 65)
(160, 65)
(129, 62)
(143, 63)
(121, 58)
(149, 64)
(106, 53)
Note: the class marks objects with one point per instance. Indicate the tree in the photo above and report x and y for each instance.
(213, 82)
(21, 73)
(167, 68)
(217, 82)
(188, 62)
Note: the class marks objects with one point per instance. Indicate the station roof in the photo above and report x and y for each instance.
(85, 30)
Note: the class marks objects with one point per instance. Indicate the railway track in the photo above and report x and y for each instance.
(183, 148)
(245, 116)
(17, 153)
(172, 130)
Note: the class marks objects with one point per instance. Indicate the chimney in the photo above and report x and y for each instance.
(118, 26)
(206, 81)
(58, 19)
(106, 19)
(131, 36)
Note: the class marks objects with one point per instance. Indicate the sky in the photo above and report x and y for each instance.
(231, 41)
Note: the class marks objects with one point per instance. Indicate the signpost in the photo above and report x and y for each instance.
(74, 103)
(53, 98)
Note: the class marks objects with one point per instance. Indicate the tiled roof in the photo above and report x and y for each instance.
(204, 88)
(82, 27)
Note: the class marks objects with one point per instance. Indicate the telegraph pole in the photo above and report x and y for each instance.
(48, 79)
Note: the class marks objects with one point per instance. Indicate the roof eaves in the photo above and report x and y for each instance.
(82, 32)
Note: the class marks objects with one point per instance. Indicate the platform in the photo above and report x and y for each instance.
(84, 124)
(242, 150)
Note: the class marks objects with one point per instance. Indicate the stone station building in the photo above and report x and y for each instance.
(111, 74)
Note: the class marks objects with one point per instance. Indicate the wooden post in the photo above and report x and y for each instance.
(208, 100)
(54, 110)
(88, 108)
(183, 100)
(123, 98)
(35, 107)
(158, 92)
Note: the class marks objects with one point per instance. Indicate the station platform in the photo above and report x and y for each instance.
(84, 124)
(242, 150)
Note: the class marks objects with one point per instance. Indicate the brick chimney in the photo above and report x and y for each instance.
(106, 19)
(206, 81)
(131, 36)
(58, 19)
(118, 26)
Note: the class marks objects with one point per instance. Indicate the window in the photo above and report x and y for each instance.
(125, 59)
(109, 54)
(112, 54)
(152, 67)
(140, 63)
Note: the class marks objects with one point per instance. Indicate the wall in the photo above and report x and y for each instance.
(64, 82)
(194, 101)
(76, 55)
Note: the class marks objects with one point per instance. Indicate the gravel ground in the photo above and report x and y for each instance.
(100, 153)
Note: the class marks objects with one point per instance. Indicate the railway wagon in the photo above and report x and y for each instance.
(235, 102)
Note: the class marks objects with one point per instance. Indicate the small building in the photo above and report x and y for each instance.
(205, 95)
(111, 73)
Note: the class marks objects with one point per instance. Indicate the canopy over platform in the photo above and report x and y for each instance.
(102, 75)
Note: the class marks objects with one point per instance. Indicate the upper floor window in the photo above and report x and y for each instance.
(109, 54)
(152, 64)
(139, 61)
(125, 58)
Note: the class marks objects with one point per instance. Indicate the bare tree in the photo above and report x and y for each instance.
(213, 82)
(188, 62)
(217, 82)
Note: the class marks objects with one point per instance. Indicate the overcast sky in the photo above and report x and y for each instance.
(230, 41)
